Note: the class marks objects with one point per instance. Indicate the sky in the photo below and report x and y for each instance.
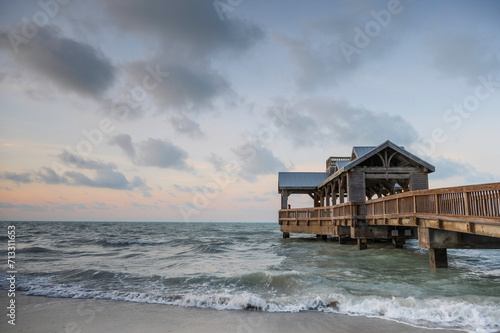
(183, 110)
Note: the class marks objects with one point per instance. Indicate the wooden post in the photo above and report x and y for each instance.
(362, 244)
(286, 235)
(437, 203)
(438, 258)
(398, 243)
(342, 239)
(284, 199)
(341, 190)
(316, 199)
(466, 204)
(331, 194)
(334, 195)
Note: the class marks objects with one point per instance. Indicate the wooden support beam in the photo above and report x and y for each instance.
(342, 239)
(341, 190)
(362, 244)
(286, 235)
(438, 258)
(284, 199)
(398, 243)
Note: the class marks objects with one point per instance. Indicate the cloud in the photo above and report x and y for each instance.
(49, 176)
(105, 175)
(107, 178)
(196, 189)
(71, 65)
(185, 189)
(69, 207)
(183, 39)
(100, 205)
(309, 121)
(162, 154)
(24, 207)
(103, 178)
(217, 161)
(448, 168)
(256, 160)
(152, 152)
(193, 27)
(124, 141)
(140, 183)
(184, 84)
(184, 124)
(464, 57)
(321, 56)
(143, 206)
(189, 36)
(79, 162)
(17, 177)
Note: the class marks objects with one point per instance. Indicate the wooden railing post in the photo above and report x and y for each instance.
(436, 203)
(466, 204)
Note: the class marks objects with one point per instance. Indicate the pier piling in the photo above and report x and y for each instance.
(438, 258)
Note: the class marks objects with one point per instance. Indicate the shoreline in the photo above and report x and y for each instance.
(44, 314)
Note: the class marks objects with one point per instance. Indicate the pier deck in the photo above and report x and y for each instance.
(456, 217)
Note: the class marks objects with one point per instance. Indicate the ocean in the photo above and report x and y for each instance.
(249, 267)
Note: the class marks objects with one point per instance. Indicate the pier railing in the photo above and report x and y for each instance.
(341, 211)
(462, 201)
(466, 205)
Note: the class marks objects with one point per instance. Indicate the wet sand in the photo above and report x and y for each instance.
(43, 314)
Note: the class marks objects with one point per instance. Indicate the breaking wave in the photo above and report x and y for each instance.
(473, 315)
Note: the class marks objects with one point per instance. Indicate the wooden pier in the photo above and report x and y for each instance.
(455, 217)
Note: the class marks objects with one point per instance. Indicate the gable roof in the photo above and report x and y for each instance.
(359, 151)
(342, 164)
(401, 150)
(300, 180)
(369, 153)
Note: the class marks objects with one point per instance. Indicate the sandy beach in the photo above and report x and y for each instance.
(43, 314)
